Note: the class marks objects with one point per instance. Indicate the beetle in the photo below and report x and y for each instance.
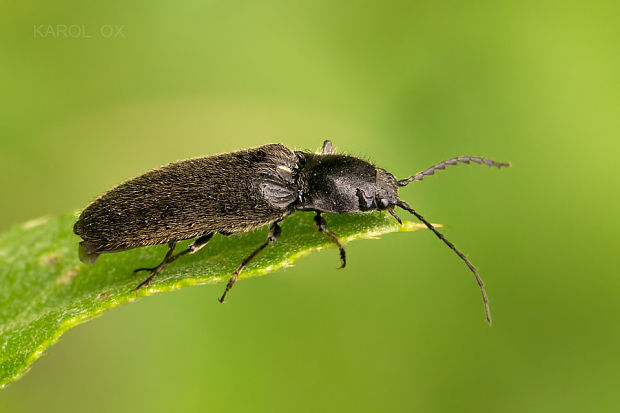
(241, 191)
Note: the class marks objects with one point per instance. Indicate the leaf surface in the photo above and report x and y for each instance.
(45, 289)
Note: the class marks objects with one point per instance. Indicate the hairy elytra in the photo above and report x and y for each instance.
(241, 191)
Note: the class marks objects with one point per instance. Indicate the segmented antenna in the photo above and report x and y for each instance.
(452, 161)
(430, 226)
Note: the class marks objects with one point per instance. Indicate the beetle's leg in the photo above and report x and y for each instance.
(194, 247)
(156, 270)
(392, 213)
(328, 148)
(274, 233)
(321, 226)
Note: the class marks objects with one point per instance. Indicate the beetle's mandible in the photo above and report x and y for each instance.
(241, 191)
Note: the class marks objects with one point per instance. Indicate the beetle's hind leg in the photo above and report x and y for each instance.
(274, 233)
(321, 226)
(194, 247)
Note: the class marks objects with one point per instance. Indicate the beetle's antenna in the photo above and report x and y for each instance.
(451, 161)
(430, 226)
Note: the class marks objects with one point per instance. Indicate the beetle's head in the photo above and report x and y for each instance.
(386, 193)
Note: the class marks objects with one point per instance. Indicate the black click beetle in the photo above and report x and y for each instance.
(239, 192)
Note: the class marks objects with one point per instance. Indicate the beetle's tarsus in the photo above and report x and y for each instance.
(343, 259)
(321, 225)
(146, 282)
(157, 270)
(274, 233)
(194, 247)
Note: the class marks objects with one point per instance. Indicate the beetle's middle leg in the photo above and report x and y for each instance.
(274, 233)
(320, 224)
(193, 247)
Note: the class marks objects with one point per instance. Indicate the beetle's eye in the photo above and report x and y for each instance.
(383, 203)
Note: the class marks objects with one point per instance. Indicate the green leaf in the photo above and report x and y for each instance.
(45, 289)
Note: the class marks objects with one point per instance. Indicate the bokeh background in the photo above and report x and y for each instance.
(405, 84)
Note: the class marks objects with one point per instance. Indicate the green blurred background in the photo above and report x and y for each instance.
(404, 84)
